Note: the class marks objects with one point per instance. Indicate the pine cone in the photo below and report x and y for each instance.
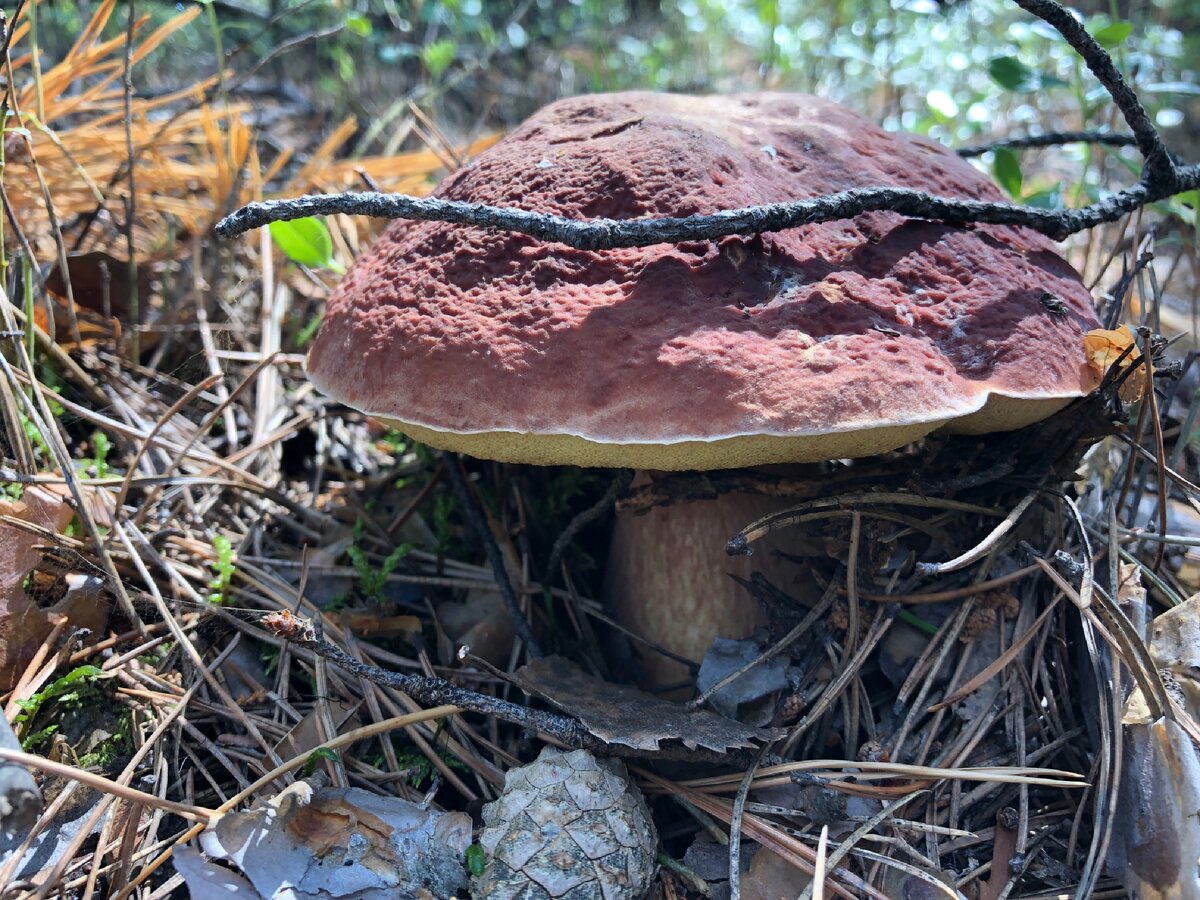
(567, 827)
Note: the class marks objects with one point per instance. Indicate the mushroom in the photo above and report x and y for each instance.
(839, 339)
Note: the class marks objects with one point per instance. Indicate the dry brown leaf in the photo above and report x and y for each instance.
(771, 877)
(1104, 346)
(344, 842)
(24, 625)
(1156, 839)
(481, 622)
(618, 714)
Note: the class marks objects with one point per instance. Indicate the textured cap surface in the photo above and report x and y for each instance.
(837, 339)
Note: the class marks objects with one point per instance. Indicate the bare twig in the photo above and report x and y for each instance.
(1050, 139)
(589, 515)
(435, 692)
(478, 519)
(1160, 179)
(609, 234)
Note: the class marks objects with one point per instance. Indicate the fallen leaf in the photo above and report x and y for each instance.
(771, 877)
(95, 274)
(344, 842)
(727, 656)
(23, 624)
(618, 714)
(93, 328)
(482, 622)
(1156, 838)
(307, 734)
(1103, 347)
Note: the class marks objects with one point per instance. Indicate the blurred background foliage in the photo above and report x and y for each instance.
(961, 72)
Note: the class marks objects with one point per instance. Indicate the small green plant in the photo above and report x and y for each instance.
(476, 860)
(71, 689)
(422, 769)
(395, 442)
(223, 568)
(438, 56)
(315, 758)
(306, 241)
(111, 747)
(371, 580)
(98, 461)
(34, 435)
(37, 440)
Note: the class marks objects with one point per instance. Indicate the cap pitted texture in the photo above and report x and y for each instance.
(837, 339)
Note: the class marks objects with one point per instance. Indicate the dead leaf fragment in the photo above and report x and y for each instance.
(23, 625)
(771, 877)
(618, 714)
(344, 842)
(727, 656)
(1104, 346)
(1156, 839)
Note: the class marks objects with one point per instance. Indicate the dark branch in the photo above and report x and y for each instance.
(1053, 139)
(478, 519)
(608, 234)
(436, 692)
(580, 521)
(1160, 169)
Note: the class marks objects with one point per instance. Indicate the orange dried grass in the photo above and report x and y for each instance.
(194, 159)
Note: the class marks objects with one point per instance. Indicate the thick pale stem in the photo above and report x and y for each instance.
(667, 579)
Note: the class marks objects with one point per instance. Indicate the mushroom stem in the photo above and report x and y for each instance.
(668, 580)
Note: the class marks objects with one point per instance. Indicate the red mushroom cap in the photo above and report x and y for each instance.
(837, 339)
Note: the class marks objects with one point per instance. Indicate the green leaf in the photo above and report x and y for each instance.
(1007, 170)
(476, 860)
(307, 242)
(1012, 74)
(1113, 34)
(315, 758)
(1048, 198)
(438, 56)
(359, 24)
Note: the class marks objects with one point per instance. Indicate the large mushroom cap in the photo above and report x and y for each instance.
(838, 339)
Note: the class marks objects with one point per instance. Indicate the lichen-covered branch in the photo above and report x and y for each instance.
(1050, 139)
(609, 234)
(564, 729)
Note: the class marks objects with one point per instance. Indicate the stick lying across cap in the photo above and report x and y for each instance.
(832, 340)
